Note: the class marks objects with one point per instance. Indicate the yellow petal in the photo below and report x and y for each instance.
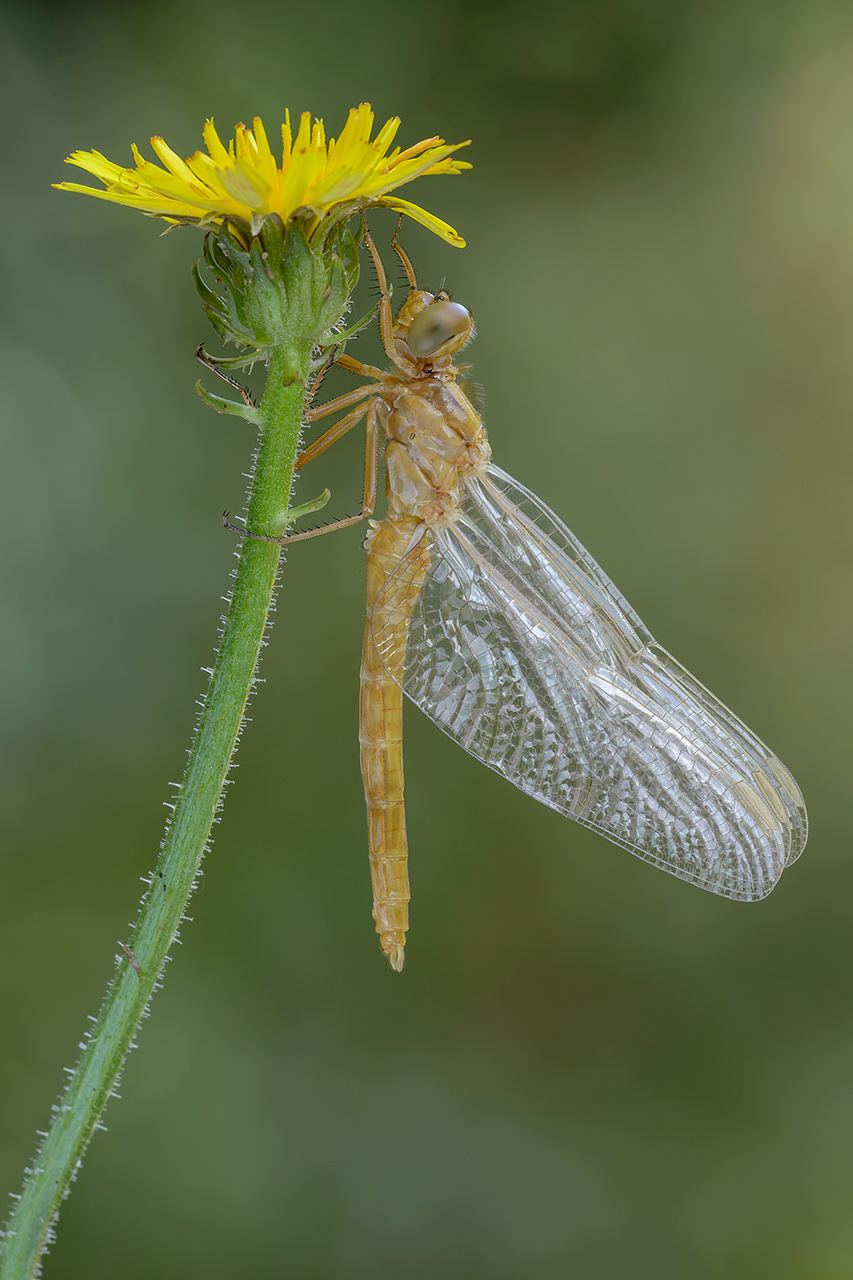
(173, 162)
(217, 152)
(435, 224)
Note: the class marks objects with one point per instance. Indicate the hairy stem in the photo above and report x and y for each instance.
(76, 1116)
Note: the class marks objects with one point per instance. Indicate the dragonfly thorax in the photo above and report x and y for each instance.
(436, 440)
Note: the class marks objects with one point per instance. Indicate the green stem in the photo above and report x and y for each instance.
(30, 1228)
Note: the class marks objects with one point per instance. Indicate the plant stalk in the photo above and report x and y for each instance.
(92, 1083)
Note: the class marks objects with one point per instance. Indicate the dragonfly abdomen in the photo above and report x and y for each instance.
(381, 728)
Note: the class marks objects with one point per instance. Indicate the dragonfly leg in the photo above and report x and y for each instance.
(363, 370)
(386, 318)
(319, 376)
(322, 443)
(403, 256)
(371, 467)
(340, 402)
(203, 358)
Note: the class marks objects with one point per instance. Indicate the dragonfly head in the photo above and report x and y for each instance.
(438, 328)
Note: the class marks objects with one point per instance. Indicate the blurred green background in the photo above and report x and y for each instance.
(587, 1068)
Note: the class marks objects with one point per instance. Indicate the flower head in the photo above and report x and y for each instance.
(246, 183)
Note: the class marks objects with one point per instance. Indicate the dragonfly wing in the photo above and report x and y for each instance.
(524, 652)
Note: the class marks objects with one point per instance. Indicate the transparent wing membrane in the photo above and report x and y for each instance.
(524, 652)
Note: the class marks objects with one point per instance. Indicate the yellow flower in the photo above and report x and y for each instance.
(245, 181)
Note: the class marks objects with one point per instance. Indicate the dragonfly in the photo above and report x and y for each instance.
(492, 617)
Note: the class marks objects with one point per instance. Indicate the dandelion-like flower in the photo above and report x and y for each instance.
(246, 183)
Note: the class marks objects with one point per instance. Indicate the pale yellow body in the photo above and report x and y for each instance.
(435, 440)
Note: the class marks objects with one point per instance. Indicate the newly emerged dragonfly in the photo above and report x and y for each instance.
(486, 610)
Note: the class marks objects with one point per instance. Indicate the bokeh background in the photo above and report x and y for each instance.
(587, 1068)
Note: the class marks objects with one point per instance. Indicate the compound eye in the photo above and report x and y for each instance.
(436, 325)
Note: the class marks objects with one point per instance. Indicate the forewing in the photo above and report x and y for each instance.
(522, 649)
